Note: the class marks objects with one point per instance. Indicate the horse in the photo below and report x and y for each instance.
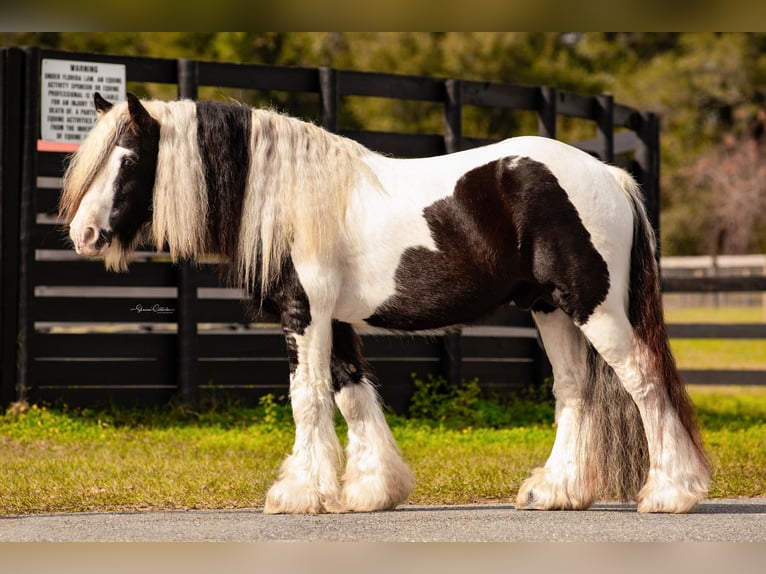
(331, 235)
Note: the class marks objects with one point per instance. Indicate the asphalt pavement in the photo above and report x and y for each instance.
(729, 520)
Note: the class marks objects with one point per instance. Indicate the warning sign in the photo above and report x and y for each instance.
(66, 105)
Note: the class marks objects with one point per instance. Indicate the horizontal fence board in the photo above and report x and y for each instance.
(717, 331)
(157, 346)
(257, 77)
(576, 105)
(51, 164)
(713, 284)
(47, 200)
(467, 142)
(266, 343)
(102, 374)
(486, 94)
(505, 347)
(103, 310)
(380, 85)
(722, 377)
(380, 345)
(91, 272)
(261, 371)
(397, 144)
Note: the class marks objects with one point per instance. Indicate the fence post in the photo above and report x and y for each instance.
(546, 114)
(452, 355)
(188, 338)
(605, 126)
(30, 133)
(11, 105)
(329, 95)
(648, 163)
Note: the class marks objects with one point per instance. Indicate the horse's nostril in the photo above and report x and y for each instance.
(89, 235)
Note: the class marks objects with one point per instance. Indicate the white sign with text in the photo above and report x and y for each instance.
(66, 105)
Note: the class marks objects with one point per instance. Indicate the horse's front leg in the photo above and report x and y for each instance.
(308, 479)
(376, 477)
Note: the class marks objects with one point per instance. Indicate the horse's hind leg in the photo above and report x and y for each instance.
(564, 481)
(376, 477)
(678, 474)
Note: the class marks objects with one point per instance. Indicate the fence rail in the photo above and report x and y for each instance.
(72, 332)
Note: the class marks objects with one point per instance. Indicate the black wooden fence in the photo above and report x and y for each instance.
(72, 332)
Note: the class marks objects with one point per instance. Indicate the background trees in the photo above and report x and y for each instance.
(709, 90)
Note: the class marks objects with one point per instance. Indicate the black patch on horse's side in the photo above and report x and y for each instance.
(134, 184)
(223, 136)
(507, 234)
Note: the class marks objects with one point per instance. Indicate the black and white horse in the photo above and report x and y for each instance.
(330, 234)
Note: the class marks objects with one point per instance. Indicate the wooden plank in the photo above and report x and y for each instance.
(717, 331)
(487, 94)
(157, 346)
(713, 284)
(101, 373)
(258, 77)
(575, 105)
(89, 272)
(626, 117)
(722, 377)
(397, 144)
(380, 85)
(251, 344)
(385, 345)
(104, 310)
(255, 372)
(47, 200)
(501, 347)
(52, 164)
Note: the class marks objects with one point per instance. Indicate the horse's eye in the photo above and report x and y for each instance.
(128, 161)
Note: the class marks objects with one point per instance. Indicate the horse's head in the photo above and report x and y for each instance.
(108, 186)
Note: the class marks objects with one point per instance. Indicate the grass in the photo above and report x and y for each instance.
(715, 315)
(719, 353)
(734, 354)
(56, 460)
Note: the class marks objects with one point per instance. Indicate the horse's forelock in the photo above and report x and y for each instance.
(89, 159)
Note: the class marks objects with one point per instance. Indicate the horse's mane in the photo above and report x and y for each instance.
(299, 183)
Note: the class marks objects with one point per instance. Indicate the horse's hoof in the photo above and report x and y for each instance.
(662, 494)
(291, 497)
(539, 492)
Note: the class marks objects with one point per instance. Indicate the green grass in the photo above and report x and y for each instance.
(62, 461)
(734, 354)
(719, 353)
(715, 315)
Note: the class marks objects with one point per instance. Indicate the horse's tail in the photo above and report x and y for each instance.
(615, 423)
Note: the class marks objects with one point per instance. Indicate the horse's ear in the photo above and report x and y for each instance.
(102, 106)
(138, 113)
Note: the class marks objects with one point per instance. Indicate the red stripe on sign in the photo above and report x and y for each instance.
(57, 147)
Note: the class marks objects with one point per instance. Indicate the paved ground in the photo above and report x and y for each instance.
(713, 521)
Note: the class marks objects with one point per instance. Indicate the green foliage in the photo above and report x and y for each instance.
(465, 406)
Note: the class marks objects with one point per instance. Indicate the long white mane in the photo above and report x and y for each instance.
(299, 182)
